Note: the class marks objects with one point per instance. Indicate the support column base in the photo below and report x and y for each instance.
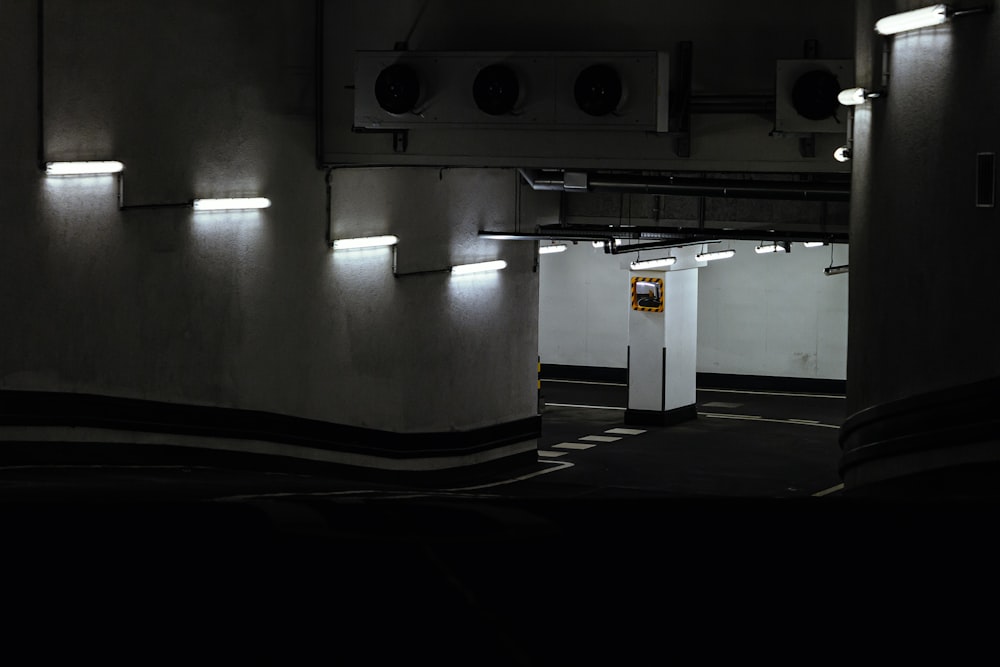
(661, 417)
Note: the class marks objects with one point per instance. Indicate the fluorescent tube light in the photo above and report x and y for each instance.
(652, 263)
(495, 265)
(842, 154)
(834, 270)
(231, 204)
(813, 244)
(89, 168)
(365, 242)
(716, 254)
(548, 249)
(852, 96)
(913, 20)
(772, 247)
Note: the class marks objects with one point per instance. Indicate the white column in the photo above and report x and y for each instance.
(662, 345)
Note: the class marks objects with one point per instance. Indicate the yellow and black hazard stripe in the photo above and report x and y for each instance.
(635, 296)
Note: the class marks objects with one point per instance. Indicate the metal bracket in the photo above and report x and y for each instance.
(400, 139)
(807, 146)
(681, 118)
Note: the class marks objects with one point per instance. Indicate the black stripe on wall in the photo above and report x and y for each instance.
(663, 381)
(704, 380)
(36, 408)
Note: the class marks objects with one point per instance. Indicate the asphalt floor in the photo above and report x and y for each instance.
(727, 537)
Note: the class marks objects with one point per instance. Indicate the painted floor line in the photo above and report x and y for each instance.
(544, 453)
(559, 465)
(588, 407)
(556, 466)
(716, 415)
(771, 393)
(722, 415)
(601, 438)
(626, 431)
(573, 445)
(826, 492)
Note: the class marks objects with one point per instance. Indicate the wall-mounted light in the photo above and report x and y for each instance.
(463, 269)
(716, 254)
(813, 244)
(87, 168)
(549, 249)
(230, 204)
(835, 270)
(924, 17)
(652, 263)
(777, 246)
(842, 154)
(364, 242)
(854, 96)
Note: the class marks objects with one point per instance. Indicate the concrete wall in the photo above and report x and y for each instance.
(432, 351)
(245, 310)
(252, 310)
(771, 315)
(923, 244)
(735, 48)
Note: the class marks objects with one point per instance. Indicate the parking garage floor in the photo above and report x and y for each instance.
(726, 537)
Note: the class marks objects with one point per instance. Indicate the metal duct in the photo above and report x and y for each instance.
(691, 186)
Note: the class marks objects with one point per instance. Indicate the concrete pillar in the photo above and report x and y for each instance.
(662, 341)
(923, 363)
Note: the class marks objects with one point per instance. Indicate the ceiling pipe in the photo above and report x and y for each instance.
(742, 104)
(544, 180)
(660, 237)
(689, 186)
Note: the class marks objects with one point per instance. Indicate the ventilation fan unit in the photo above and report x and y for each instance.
(518, 90)
(806, 95)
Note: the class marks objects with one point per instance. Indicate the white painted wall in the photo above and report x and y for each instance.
(775, 314)
(770, 315)
(584, 301)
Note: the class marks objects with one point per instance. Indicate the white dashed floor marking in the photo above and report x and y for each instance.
(600, 438)
(625, 431)
(573, 445)
(551, 455)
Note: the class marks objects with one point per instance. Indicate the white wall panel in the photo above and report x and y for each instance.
(771, 315)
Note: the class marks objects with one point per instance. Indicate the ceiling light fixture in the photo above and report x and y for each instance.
(835, 270)
(813, 244)
(717, 254)
(842, 154)
(764, 248)
(652, 263)
(463, 269)
(87, 168)
(364, 242)
(231, 204)
(549, 249)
